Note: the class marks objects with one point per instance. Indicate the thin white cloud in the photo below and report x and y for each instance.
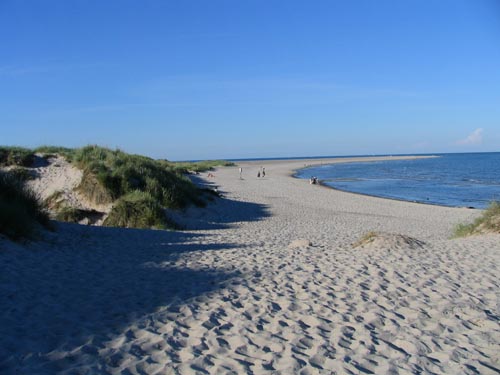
(328, 89)
(21, 70)
(474, 138)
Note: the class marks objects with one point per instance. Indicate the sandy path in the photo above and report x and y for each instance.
(233, 297)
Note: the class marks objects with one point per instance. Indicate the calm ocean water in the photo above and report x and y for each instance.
(459, 180)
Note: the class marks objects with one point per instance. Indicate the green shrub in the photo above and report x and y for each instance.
(488, 222)
(16, 156)
(138, 210)
(20, 211)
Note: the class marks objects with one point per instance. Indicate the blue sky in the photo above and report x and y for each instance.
(234, 79)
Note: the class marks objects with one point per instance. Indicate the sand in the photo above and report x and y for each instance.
(56, 175)
(264, 280)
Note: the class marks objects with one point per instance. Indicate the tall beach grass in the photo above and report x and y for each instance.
(112, 174)
(17, 156)
(20, 211)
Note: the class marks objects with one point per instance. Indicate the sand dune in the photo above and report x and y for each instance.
(56, 175)
(266, 280)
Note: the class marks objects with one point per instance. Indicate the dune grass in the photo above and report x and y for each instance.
(60, 208)
(68, 153)
(18, 156)
(488, 222)
(55, 201)
(112, 174)
(138, 209)
(140, 188)
(200, 166)
(366, 239)
(95, 189)
(68, 214)
(20, 211)
(22, 173)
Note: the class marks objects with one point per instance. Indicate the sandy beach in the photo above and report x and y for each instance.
(265, 280)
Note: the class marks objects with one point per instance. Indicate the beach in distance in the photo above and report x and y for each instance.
(275, 276)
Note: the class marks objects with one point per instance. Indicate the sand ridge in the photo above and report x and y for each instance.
(230, 295)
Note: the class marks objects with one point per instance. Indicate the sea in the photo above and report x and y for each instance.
(455, 180)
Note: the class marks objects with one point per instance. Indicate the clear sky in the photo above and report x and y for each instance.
(261, 78)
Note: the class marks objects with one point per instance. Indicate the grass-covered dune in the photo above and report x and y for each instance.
(488, 222)
(138, 187)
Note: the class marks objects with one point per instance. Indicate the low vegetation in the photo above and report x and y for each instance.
(112, 174)
(388, 241)
(488, 222)
(20, 211)
(139, 188)
(95, 187)
(56, 201)
(366, 239)
(48, 151)
(68, 214)
(22, 173)
(200, 166)
(16, 156)
(138, 209)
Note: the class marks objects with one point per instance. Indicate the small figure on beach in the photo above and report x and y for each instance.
(241, 171)
(263, 172)
(210, 175)
(258, 174)
(313, 180)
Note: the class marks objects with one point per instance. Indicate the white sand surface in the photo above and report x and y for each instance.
(265, 280)
(55, 174)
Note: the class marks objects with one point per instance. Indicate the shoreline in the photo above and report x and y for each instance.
(375, 159)
(361, 159)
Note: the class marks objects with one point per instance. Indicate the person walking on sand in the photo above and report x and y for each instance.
(263, 172)
(241, 171)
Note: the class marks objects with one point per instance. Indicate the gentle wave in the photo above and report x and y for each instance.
(460, 180)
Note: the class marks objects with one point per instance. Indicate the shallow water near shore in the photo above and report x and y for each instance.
(455, 180)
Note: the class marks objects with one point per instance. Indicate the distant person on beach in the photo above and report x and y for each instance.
(258, 174)
(241, 171)
(263, 172)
